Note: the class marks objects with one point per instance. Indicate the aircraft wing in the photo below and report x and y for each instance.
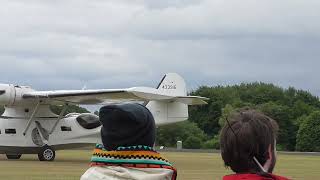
(105, 96)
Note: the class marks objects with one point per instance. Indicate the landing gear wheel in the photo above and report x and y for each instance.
(46, 154)
(13, 156)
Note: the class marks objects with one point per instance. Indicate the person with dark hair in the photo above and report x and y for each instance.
(128, 135)
(248, 146)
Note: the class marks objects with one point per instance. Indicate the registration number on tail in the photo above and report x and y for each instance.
(173, 86)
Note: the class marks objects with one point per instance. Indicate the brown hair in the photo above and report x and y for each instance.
(247, 134)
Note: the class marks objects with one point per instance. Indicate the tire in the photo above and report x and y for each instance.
(46, 154)
(13, 156)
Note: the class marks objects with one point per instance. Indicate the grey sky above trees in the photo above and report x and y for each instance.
(122, 43)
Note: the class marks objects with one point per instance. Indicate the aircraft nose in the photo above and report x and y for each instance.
(2, 92)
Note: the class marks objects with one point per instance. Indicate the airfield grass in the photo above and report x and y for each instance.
(71, 164)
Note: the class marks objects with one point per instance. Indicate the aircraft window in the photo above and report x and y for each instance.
(2, 92)
(66, 128)
(10, 131)
(71, 114)
(88, 121)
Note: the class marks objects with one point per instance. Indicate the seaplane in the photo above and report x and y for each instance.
(28, 126)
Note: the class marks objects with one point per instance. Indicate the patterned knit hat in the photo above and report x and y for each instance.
(126, 125)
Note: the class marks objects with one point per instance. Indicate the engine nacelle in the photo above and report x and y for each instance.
(12, 95)
(7, 94)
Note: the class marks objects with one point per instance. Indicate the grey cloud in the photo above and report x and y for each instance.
(121, 43)
(219, 19)
(154, 4)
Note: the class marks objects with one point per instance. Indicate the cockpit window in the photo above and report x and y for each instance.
(88, 121)
(66, 128)
(10, 131)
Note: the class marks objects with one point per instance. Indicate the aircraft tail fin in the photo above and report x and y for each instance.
(172, 84)
(165, 112)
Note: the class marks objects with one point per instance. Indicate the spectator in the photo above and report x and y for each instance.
(128, 135)
(248, 146)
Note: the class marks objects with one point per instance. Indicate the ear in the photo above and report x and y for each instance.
(268, 163)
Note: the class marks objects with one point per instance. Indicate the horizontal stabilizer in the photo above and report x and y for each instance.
(192, 100)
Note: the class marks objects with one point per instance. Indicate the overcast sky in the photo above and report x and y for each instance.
(60, 44)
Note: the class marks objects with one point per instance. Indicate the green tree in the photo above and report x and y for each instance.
(308, 138)
(168, 135)
(308, 98)
(213, 143)
(301, 109)
(287, 106)
(259, 93)
(192, 142)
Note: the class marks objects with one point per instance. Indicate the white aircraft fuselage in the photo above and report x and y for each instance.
(66, 133)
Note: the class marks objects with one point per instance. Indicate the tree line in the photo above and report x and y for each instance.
(296, 111)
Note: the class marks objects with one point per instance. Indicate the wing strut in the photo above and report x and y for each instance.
(32, 117)
(59, 118)
(43, 135)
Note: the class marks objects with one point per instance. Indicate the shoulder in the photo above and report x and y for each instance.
(252, 177)
(96, 173)
(119, 172)
(242, 177)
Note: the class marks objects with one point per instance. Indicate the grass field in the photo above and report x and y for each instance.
(69, 165)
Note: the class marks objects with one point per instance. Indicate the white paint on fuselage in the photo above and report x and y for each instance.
(77, 135)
